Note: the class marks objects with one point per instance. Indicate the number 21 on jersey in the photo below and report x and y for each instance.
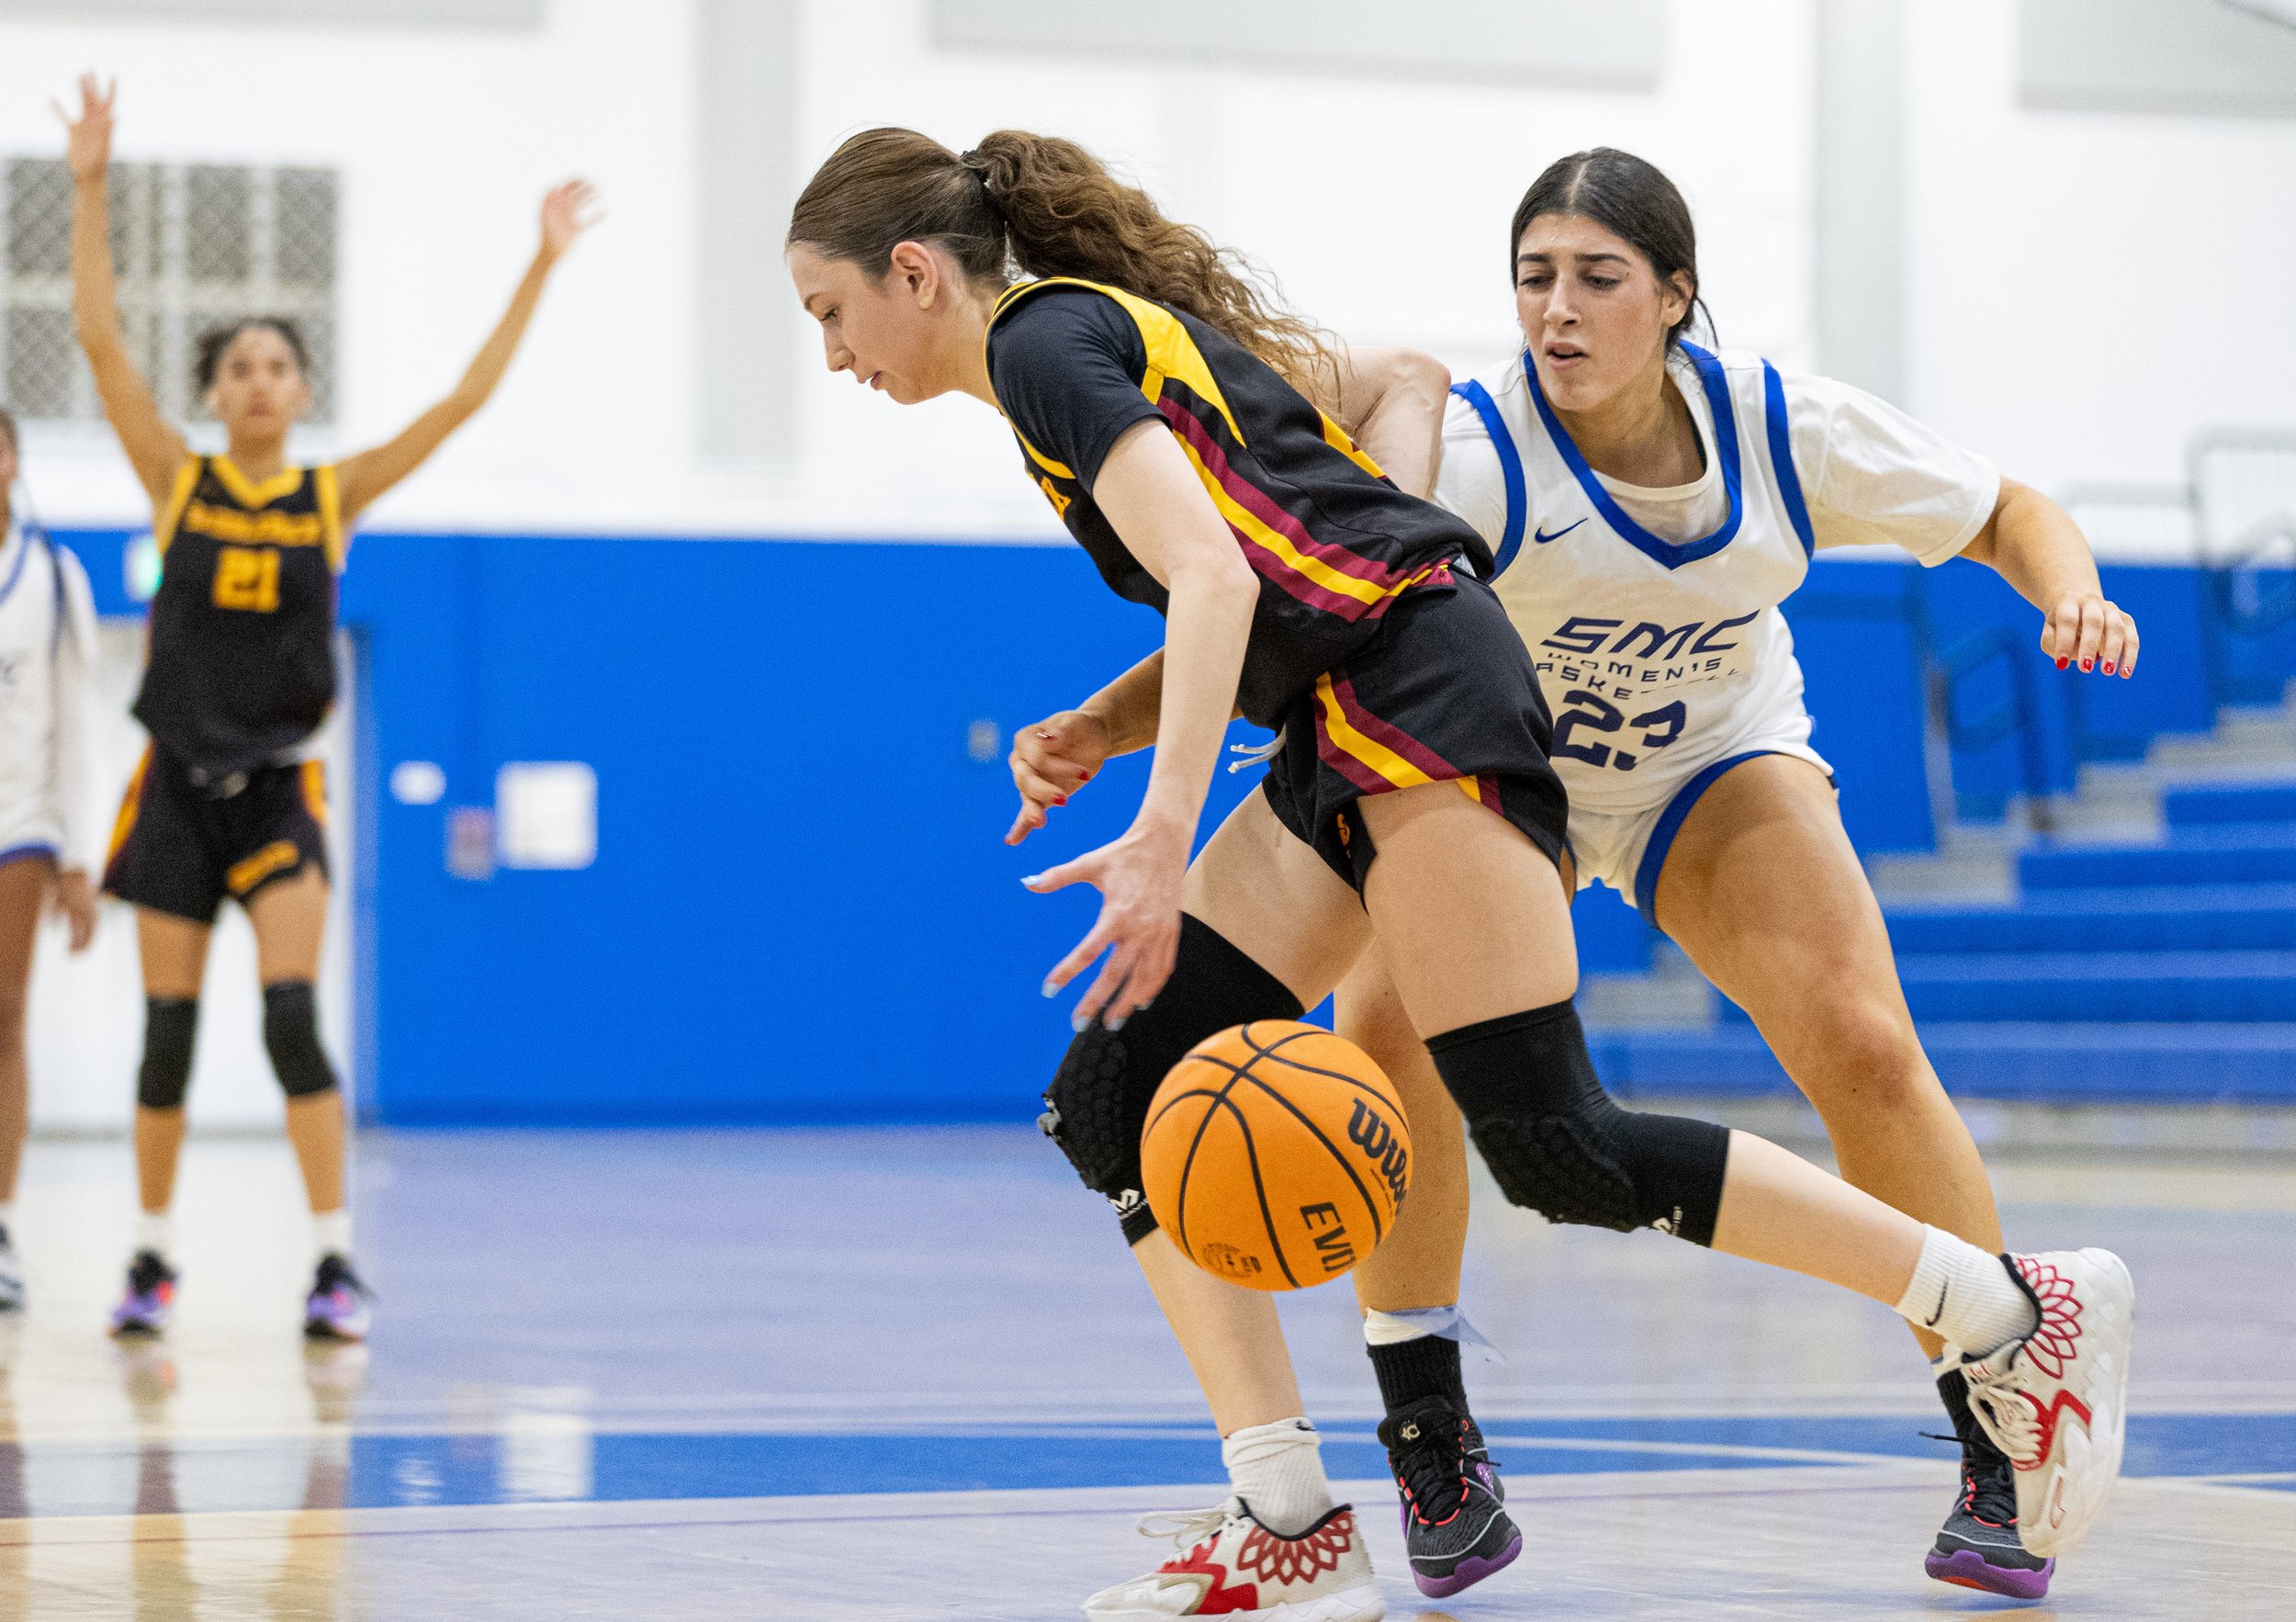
(247, 578)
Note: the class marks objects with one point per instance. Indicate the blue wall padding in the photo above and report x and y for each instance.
(801, 908)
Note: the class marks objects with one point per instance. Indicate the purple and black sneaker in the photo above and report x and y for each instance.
(150, 1298)
(1979, 1546)
(1455, 1524)
(336, 1307)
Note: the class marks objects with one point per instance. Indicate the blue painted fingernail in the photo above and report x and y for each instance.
(1078, 1023)
(1029, 878)
(1051, 989)
(1118, 1024)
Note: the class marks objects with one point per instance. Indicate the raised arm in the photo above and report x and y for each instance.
(2033, 544)
(154, 450)
(566, 214)
(1391, 401)
(1153, 498)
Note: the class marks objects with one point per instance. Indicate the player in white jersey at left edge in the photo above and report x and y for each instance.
(51, 833)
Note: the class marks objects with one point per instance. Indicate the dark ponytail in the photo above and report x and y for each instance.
(1634, 201)
(1045, 206)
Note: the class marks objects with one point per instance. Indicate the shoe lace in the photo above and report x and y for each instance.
(1184, 1527)
(1988, 1487)
(2014, 1425)
(1433, 1470)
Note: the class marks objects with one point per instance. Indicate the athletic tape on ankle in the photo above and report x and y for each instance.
(1388, 1329)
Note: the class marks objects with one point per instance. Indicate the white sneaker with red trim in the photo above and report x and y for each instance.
(2057, 1402)
(1229, 1565)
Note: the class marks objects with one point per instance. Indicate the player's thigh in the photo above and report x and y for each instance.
(1472, 917)
(25, 885)
(290, 919)
(174, 952)
(1274, 899)
(1763, 890)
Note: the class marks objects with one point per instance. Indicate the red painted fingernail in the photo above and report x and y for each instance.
(1086, 778)
(1062, 801)
(2063, 662)
(2108, 667)
(2087, 665)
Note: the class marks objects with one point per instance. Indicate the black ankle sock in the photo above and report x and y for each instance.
(1411, 1369)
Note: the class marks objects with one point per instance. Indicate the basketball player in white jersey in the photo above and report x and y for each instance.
(1648, 505)
(51, 833)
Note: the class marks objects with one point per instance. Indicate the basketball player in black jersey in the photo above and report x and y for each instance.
(241, 675)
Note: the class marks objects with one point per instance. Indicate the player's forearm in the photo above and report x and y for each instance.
(78, 799)
(1208, 625)
(2033, 544)
(1127, 707)
(493, 358)
(95, 293)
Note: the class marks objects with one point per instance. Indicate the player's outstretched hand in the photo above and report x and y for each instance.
(1139, 878)
(88, 148)
(1052, 761)
(2088, 631)
(75, 903)
(568, 211)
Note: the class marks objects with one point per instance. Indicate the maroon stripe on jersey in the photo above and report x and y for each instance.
(1345, 764)
(1394, 737)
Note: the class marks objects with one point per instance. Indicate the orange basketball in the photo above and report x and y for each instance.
(1275, 1154)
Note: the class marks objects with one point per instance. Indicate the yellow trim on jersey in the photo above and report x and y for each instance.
(1337, 438)
(130, 804)
(314, 785)
(187, 480)
(331, 515)
(1057, 470)
(1171, 352)
(275, 857)
(263, 528)
(1370, 753)
(247, 493)
(1249, 524)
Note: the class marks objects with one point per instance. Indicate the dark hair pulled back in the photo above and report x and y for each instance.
(1633, 200)
(215, 340)
(1045, 207)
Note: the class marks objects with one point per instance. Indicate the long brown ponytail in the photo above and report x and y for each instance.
(1045, 207)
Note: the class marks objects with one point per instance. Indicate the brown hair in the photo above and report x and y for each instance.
(1045, 207)
(7, 429)
(1631, 198)
(215, 340)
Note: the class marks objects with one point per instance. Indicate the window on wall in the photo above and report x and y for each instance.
(194, 246)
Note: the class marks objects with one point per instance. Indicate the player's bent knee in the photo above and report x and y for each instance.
(1557, 1144)
(1865, 1057)
(170, 1026)
(1099, 1096)
(290, 1035)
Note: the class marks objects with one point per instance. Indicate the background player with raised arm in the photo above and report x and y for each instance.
(241, 675)
(1411, 804)
(1648, 505)
(51, 823)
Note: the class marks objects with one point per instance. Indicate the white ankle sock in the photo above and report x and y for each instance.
(1966, 1296)
(331, 1234)
(1278, 1470)
(155, 1232)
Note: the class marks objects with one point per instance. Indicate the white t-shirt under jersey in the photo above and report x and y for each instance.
(49, 795)
(1683, 660)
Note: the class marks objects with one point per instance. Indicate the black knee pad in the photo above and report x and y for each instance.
(290, 1034)
(1557, 1144)
(1099, 1096)
(169, 1025)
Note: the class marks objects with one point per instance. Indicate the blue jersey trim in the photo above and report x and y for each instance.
(16, 572)
(1781, 458)
(1726, 446)
(1509, 466)
(38, 848)
(1669, 823)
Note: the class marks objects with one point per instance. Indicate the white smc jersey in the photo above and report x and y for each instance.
(1653, 614)
(48, 798)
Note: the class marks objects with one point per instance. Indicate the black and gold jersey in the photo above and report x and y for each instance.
(1075, 364)
(241, 637)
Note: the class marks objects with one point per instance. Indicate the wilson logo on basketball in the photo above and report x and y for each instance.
(1330, 1236)
(1369, 1132)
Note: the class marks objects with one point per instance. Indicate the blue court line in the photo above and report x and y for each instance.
(40, 1481)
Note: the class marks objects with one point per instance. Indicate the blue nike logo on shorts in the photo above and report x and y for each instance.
(1541, 537)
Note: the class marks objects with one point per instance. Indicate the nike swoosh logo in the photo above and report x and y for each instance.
(1931, 1322)
(1540, 538)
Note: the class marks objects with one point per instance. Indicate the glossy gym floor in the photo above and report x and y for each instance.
(883, 1374)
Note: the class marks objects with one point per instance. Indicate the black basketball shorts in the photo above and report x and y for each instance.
(1444, 693)
(181, 847)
